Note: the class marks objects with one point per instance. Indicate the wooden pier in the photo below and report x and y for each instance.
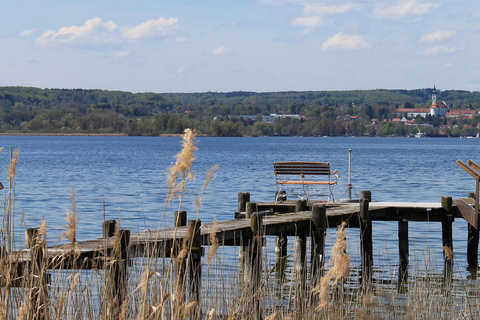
(253, 221)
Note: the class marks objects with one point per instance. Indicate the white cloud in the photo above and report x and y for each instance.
(476, 14)
(342, 41)
(308, 22)
(404, 9)
(96, 32)
(221, 50)
(437, 50)
(26, 33)
(437, 36)
(324, 10)
(151, 28)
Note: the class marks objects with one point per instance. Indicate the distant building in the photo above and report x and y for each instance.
(412, 113)
(462, 113)
(438, 108)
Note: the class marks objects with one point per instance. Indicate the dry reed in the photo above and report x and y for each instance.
(180, 173)
(340, 269)
(213, 241)
(448, 253)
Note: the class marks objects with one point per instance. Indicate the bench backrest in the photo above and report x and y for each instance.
(301, 168)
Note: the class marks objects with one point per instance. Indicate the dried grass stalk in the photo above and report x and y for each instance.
(340, 262)
(213, 241)
(180, 173)
(448, 253)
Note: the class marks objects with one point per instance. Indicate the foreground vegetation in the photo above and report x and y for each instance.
(153, 289)
(320, 113)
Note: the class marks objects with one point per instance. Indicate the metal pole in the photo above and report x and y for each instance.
(350, 174)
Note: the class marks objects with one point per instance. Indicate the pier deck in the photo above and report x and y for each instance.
(279, 218)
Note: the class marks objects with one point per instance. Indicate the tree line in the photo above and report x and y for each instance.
(321, 113)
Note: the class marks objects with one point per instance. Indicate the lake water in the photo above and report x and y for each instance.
(126, 177)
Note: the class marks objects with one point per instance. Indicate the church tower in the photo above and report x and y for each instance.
(437, 108)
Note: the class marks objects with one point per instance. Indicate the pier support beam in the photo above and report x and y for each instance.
(250, 208)
(256, 226)
(116, 274)
(195, 268)
(300, 258)
(319, 228)
(447, 239)
(180, 220)
(38, 299)
(403, 250)
(243, 198)
(108, 228)
(472, 244)
(366, 238)
(281, 244)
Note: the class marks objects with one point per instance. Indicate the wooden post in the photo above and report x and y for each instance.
(367, 195)
(447, 239)
(108, 228)
(472, 244)
(256, 226)
(116, 273)
(195, 268)
(281, 244)
(243, 198)
(38, 306)
(300, 258)
(301, 205)
(250, 208)
(319, 220)
(366, 238)
(180, 220)
(403, 250)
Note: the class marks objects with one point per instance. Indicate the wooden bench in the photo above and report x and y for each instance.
(304, 179)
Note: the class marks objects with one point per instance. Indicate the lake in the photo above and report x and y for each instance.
(126, 177)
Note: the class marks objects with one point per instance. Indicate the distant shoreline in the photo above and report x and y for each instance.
(82, 134)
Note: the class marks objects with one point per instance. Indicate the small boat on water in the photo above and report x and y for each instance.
(419, 134)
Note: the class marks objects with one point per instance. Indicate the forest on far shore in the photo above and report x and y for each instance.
(29, 110)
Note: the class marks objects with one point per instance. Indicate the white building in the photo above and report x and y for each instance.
(438, 108)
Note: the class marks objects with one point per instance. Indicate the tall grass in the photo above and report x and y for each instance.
(155, 287)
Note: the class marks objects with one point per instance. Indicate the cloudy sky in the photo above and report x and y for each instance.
(233, 45)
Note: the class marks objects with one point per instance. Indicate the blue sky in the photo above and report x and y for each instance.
(262, 45)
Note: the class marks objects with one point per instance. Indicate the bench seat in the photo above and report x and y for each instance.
(291, 179)
(308, 182)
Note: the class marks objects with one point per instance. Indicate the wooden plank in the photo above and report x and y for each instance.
(467, 169)
(464, 205)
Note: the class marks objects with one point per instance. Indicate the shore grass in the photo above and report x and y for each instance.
(153, 287)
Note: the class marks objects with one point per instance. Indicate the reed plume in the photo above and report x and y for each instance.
(71, 227)
(13, 165)
(180, 173)
(211, 314)
(448, 253)
(213, 241)
(340, 262)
